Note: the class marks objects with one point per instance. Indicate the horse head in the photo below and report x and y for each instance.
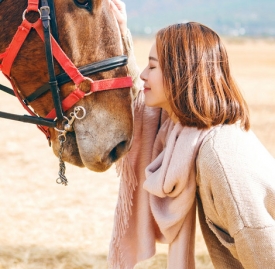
(88, 32)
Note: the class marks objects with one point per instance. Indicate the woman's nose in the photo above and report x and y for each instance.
(143, 74)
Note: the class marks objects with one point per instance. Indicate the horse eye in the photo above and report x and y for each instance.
(87, 4)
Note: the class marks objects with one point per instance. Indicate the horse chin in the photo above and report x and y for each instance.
(93, 158)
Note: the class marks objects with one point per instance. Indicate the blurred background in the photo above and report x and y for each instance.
(47, 226)
(232, 18)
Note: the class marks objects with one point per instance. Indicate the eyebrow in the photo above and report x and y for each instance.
(153, 58)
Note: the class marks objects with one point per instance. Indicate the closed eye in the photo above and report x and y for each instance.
(87, 4)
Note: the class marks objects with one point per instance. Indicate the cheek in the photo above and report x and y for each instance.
(155, 79)
(159, 82)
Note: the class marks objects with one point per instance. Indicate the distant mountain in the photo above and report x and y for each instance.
(229, 18)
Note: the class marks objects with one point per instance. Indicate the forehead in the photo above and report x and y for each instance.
(153, 52)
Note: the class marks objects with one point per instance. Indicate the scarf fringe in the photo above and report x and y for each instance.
(123, 211)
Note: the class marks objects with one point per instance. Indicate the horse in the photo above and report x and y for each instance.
(98, 129)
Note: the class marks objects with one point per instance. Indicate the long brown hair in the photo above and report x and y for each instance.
(197, 79)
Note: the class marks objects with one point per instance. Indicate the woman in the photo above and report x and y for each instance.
(191, 139)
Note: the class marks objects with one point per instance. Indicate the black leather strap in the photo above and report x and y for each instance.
(53, 22)
(104, 65)
(29, 119)
(45, 17)
(6, 89)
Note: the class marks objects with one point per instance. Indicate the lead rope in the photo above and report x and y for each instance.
(68, 127)
(62, 168)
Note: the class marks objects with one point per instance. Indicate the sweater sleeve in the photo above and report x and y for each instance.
(236, 181)
(133, 69)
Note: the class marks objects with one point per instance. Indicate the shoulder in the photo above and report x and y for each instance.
(236, 174)
(235, 146)
(229, 151)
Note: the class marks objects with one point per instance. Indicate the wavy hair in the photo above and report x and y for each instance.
(197, 79)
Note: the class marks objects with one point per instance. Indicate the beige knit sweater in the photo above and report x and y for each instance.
(236, 194)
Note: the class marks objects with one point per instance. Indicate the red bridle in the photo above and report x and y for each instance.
(7, 58)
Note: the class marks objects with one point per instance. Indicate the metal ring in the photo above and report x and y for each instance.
(62, 135)
(25, 11)
(87, 94)
(77, 109)
(90, 92)
(56, 127)
(63, 117)
(58, 130)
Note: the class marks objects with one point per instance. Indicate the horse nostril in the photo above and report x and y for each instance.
(118, 151)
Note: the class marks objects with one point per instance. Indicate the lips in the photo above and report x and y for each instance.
(146, 90)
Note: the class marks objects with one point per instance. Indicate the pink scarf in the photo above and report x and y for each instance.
(157, 192)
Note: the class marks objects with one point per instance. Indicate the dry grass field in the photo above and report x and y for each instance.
(47, 226)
